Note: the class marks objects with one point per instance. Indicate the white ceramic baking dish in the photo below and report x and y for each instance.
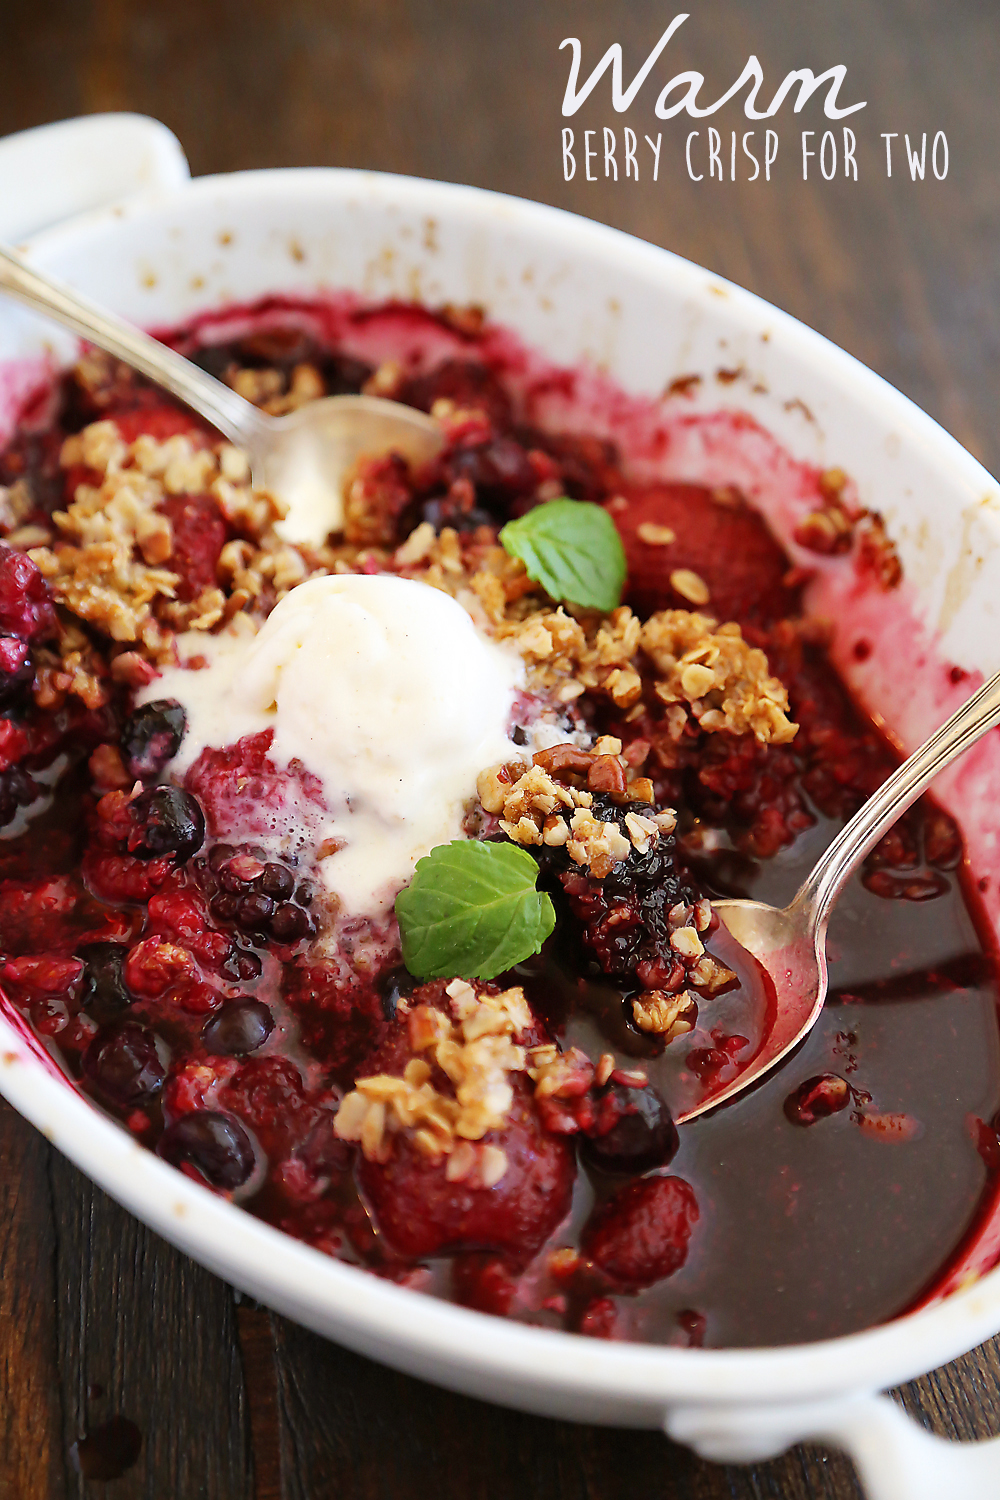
(168, 247)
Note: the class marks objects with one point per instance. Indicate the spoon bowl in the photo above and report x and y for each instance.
(307, 456)
(304, 458)
(790, 942)
(795, 963)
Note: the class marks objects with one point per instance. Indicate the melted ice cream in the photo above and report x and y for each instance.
(385, 690)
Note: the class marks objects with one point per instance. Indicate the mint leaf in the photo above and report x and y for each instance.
(572, 548)
(471, 911)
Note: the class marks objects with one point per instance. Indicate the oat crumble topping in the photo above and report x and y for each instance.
(669, 1016)
(475, 1049)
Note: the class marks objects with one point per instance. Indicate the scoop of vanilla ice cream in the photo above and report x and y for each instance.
(386, 691)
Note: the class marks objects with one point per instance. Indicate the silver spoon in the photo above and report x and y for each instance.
(791, 943)
(303, 458)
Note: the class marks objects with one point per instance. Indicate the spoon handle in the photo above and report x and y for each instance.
(236, 418)
(820, 890)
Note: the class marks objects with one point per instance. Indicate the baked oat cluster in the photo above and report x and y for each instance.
(475, 1048)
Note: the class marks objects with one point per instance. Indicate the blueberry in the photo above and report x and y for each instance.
(254, 912)
(241, 965)
(290, 923)
(17, 789)
(276, 882)
(215, 1144)
(221, 855)
(152, 736)
(393, 987)
(123, 1064)
(166, 820)
(241, 1026)
(643, 1136)
(231, 882)
(105, 993)
(225, 906)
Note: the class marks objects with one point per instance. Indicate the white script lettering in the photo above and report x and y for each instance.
(621, 98)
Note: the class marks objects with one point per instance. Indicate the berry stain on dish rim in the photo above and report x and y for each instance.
(510, 1145)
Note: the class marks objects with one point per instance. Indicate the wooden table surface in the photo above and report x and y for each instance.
(98, 1317)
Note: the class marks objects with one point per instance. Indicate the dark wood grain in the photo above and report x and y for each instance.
(235, 1403)
(144, 1333)
(30, 1410)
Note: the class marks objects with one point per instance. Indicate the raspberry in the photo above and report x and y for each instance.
(600, 1320)
(421, 1213)
(14, 744)
(152, 966)
(267, 1092)
(181, 913)
(160, 419)
(43, 974)
(16, 669)
(200, 533)
(641, 1234)
(728, 545)
(25, 600)
(194, 1085)
(340, 1019)
(240, 787)
(486, 1282)
(36, 912)
(119, 877)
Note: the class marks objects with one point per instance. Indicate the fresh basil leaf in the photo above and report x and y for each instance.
(471, 911)
(572, 548)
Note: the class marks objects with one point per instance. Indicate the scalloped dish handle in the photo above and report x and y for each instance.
(56, 171)
(896, 1459)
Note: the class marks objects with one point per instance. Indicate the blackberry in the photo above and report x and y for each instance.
(624, 917)
(277, 882)
(152, 736)
(241, 965)
(290, 923)
(256, 893)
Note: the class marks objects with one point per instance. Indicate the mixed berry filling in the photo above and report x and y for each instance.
(509, 1143)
